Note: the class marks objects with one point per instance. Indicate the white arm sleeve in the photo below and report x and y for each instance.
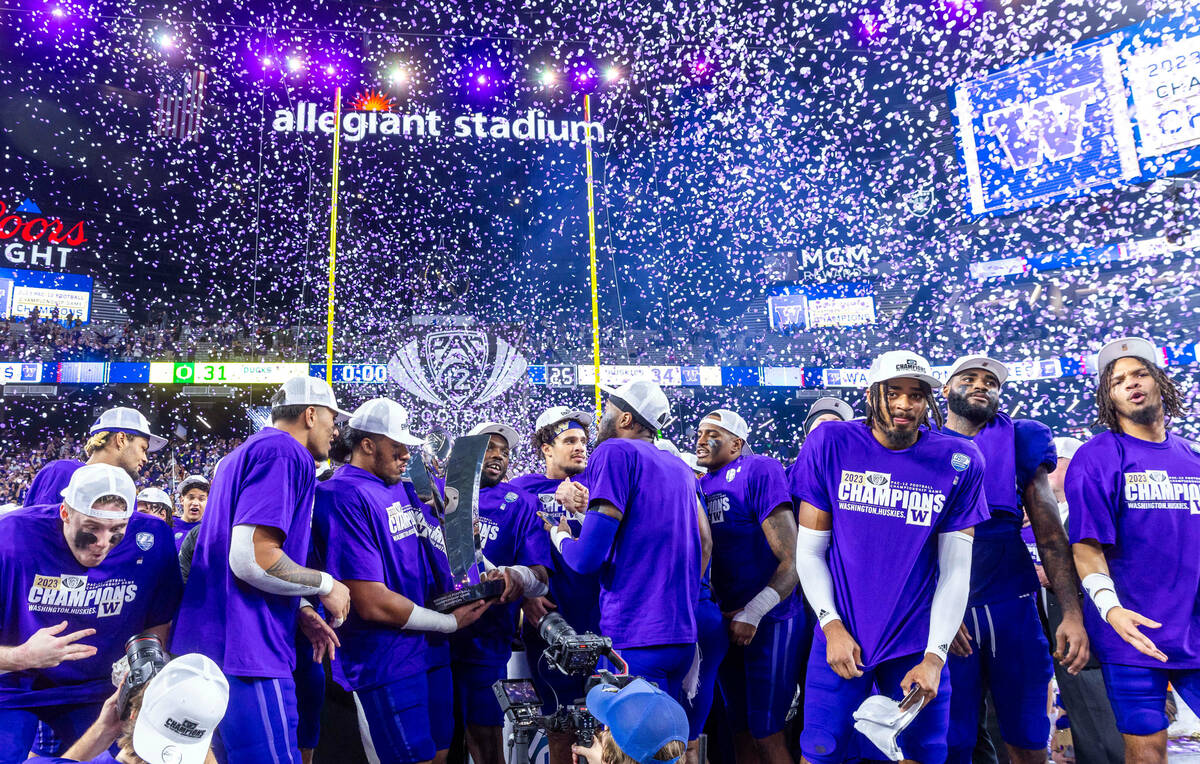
(531, 585)
(424, 619)
(953, 589)
(245, 566)
(814, 572)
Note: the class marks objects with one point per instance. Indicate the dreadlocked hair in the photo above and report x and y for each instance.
(1106, 407)
(95, 442)
(877, 404)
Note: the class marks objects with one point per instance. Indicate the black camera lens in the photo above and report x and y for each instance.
(554, 629)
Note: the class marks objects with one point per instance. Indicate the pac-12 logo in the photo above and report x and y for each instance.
(457, 367)
(960, 461)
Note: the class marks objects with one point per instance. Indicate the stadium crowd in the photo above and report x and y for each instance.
(924, 551)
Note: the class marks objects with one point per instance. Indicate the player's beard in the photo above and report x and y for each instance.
(608, 425)
(1146, 414)
(972, 412)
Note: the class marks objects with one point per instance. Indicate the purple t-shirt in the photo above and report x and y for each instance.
(437, 568)
(1141, 501)
(512, 534)
(740, 496)
(366, 531)
(577, 595)
(180, 529)
(650, 582)
(269, 480)
(104, 758)
(136, 587)
(1001, 568)
(49, 482)
(888, 508)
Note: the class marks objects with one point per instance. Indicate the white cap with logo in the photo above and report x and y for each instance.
(979, 362)
(495, 428)
(1066, 446)
(830, 405)
(899, 364)
(124, 419)
(383, 416)
(154, 495)
(1137, 347)
(93, 481)
(646, 401)
(182, 706)
(729, 421)
(193, 481)
(307, 391)
(556, 414)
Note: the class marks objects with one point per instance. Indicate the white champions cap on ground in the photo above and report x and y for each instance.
(898, 364)
(383, 416)
(556, 414)
(646, 401)
(495, 428)
(124, 419)
(979, 362)
(1138, 347)
(307, 391)
(729, 421)
(154, 496)
(193, 481)
(91, 481)
(182, 706)
(1066, 446)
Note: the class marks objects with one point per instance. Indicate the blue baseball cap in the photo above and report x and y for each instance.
(640, 717)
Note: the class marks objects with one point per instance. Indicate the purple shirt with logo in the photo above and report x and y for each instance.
(1013, 449)
(577, 595)
(365, 530)
(512, 534)
(888, 508)
(1141, 501)
(135, 588)
(437, 568)
(650, 582)
(49, 482)
(181, 530)
(269, 480)
(740, 497)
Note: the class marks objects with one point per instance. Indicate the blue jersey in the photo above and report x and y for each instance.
(740, 497)
(577, 595)
(512, 534)
(1012, 451)
(49, 482)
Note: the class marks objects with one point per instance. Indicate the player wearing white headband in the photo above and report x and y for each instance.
(88, 569)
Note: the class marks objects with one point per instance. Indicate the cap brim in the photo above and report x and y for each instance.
(928, 379)
(150, 744)
(408, 439)
(156, 443)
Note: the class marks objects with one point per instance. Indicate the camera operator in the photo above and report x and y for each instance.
(644, 726)
(168, 720)
(91, 563)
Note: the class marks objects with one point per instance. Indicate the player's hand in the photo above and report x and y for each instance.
(45, 649)
(841, 651)
(593, 754)
(321, 636)
(469, 613)
(1042, 579)
(926, 675)
(1126, 623)
(337, 603)
(961, 646)
(740, 632)
(513, 588)
(572, 496)
(1071, 646)
(110, 716)
(535, 609)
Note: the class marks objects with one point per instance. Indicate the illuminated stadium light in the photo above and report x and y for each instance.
(295, 63)
(166, 40)
(267, 62)
(548, 77)
(398, 75)
(330, 70)
(612, 74)
(58, 13)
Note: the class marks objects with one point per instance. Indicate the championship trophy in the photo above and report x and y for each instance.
(458, 526)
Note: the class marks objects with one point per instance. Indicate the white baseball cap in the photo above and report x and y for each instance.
(383, 416)
(979, 362)
(495, 428)
(308, 391)
(92, 481)
(193, 480)
(1138, 347)
(1066, 446)
(556, 414)
(124, 419)
(729, 421)
(898, 364)
(183, 704)
(154, 496)
(829, 405)
(646, 401)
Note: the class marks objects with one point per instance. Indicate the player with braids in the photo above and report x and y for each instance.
(1106, 405)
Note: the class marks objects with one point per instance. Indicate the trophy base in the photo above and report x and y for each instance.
(445, 603)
